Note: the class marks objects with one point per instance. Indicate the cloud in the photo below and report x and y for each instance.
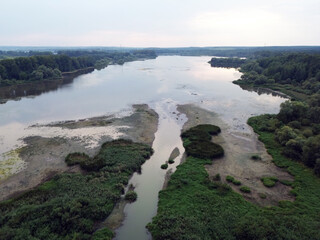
(95, 38)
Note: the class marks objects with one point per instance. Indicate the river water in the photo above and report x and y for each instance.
(162, 83)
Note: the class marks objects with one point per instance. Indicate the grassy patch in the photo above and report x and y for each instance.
(70, 205)
(269, 181)
(233, 180)
(245, 189)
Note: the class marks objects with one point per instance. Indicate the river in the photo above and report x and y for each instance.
(162, 83)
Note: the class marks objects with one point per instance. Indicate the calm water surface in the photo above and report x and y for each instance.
(162, 83)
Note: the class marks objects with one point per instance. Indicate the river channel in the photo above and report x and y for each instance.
(162, 83)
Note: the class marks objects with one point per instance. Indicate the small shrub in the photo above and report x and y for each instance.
(255, 157)
(164, 166)
(171, 161)
(131, 196)
(269, 181)
(229, 178)
(217, 177)
(233, 180)
(76, 158)
(236, 182)
(286, 182)
(245, 189)
(262, 195)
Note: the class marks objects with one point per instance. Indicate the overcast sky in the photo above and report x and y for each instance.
(159, 23)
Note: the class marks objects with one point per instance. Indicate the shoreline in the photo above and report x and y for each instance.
(45, 155)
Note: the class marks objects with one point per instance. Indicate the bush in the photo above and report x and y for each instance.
(171, 161)
(269, 181)
(229, 178)
(245, 189)
(236, 182)
(197, 142)
(217, 177)
(76, 158)
(131, 196)
(164, 166)
(255, 157)
(204, 149)
(233, 180)
(102, 234)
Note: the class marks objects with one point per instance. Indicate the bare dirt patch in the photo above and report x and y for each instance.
(239, 148)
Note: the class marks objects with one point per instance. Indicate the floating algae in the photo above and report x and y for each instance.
(11, 163)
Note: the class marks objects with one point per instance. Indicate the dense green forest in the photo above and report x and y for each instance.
(248, 52)
(297, 126)
(40, 67)
(227, 62)
(71, 205)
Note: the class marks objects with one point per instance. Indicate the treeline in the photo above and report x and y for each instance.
(297, 126)
(227, 62)
(248, 52)
(13, 54)
(37, 68)
(291, 72)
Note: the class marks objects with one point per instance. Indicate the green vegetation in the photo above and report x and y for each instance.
(197, 142)
(71, 204)
(76, 158)
(102, 234)
(171, 161)
(227, 62)
(131, 196)
(269, 181)
(233, 180)
(164, 166)
(41, 67)
(245, 189)
(217, 177)
(193, 207)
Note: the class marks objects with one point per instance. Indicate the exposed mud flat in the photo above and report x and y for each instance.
(237, 162)
(46, 148)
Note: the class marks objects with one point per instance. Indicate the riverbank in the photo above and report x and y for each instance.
(239, 148)
(45, 151)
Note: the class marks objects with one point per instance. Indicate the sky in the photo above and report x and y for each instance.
(159, 23)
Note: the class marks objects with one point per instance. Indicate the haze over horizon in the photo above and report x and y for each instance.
(159, 23)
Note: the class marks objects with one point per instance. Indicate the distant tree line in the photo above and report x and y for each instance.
(13, 54)
(40, 67)
(227, 62)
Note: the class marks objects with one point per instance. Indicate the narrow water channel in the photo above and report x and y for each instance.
(150, 181)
